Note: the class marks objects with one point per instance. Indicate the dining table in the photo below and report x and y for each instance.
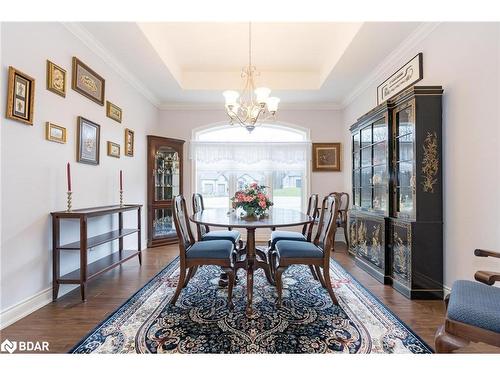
(252, 258)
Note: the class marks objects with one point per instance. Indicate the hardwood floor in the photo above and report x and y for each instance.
(66, 321)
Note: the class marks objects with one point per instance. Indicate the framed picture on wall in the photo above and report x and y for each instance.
(129, 142)
(113, 111)
(326, 157)
(88, 140)
(55, 133)
(113, 149)
(404, 77)
(20, 96)
(56, 79)
(87, 82)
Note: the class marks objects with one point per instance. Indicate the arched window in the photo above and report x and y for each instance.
(228, 157)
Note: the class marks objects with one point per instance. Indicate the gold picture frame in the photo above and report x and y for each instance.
(20, 96)
(87, 82)
(56, 79)
(129, 142)
(114, 112)
(113, 149)
(55, 133)
(326, 157)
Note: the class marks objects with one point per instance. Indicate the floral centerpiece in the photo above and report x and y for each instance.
(252, 199)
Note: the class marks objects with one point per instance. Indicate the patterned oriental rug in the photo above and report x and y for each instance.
(200, 322)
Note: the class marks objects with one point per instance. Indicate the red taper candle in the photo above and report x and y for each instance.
(68, 175)
(121, 180)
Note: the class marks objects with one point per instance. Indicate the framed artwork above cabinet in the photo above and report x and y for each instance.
(165, 175)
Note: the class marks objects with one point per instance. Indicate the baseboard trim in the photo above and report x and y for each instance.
(22, 309)
(18, 311)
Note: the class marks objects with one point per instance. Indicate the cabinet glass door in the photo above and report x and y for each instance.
(163, 223)
(404, 131)
(356, 176)
(166, 173)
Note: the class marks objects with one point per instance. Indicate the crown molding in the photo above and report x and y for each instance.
(392, 60)
(220, 106)
(95, 46)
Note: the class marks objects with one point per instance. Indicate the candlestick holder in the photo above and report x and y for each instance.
(121, 198)
(69, 201)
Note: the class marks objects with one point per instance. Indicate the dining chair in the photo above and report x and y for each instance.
(472, 311)
(314, 254)
(305, 235)
(219, 252)
(204, 232)
(342, 220)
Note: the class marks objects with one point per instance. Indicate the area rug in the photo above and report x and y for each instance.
(200, 322)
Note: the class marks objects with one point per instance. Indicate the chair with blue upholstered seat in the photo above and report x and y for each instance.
(219, 252)
(314, 254)
(305, 235)
(204, 233)
(473, 311)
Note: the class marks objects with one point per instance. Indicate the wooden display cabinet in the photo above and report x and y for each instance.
(165, 176)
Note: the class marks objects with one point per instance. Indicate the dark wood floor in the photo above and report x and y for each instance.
(66, 321)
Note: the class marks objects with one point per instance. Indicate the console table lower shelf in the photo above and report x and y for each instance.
(88, 271)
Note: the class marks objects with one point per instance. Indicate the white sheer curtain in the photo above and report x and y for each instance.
(262, 156)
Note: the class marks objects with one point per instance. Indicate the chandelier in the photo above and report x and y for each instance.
(252, 105)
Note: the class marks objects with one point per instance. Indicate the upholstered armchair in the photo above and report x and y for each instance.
(473, 311)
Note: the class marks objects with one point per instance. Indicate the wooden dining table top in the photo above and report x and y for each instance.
(276, 217)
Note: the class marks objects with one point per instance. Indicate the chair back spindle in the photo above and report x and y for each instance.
(182, 226)
(312, 210)
(199, 206)
(327, 227)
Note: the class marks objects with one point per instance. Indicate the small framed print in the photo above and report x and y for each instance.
(88, 140)
(56, 79)
(113, 149)
(129, 142)
(55, 133)
(20, 96)
(326, 157)
(114, 112)
(87, 82)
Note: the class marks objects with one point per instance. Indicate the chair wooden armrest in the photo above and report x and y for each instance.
(487, 277)
(486, 253)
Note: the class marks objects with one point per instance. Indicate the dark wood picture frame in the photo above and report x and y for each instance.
(90, 80)
(20, 91)
(114, 112)
(129, 146)
(80, 142)
(400, 78)
(51, 67)
(331, 151)
(110, 149)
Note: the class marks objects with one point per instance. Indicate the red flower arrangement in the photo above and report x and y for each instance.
(252, 199)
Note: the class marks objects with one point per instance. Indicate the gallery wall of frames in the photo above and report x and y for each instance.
(62, 102)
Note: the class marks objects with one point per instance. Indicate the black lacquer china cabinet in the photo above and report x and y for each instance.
(396, 221)
(164, 183)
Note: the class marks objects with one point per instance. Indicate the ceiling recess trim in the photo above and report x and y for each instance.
(95, 46)
(218, 106)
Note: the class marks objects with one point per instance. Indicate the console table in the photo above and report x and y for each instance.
(87, 271)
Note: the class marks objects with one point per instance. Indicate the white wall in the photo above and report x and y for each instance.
(33, 169)
(324, 126)
(465, 59)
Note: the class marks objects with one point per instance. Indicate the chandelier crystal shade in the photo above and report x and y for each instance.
(253, 105)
